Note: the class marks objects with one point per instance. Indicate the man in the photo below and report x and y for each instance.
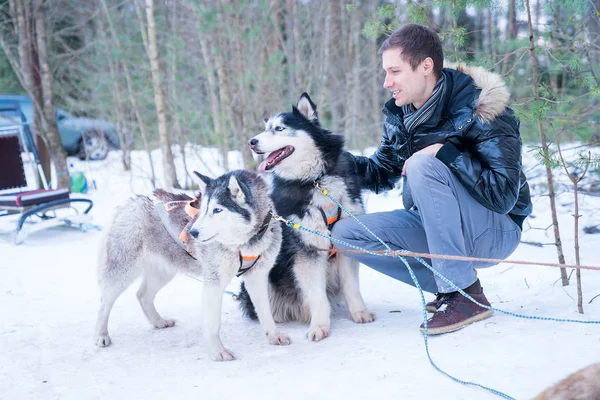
(450, 134)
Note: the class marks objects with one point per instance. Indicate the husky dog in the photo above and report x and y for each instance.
(232, 224)
(305, 280)
(581, 385)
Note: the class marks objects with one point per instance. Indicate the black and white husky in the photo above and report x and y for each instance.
(305, 280)
(231, 231)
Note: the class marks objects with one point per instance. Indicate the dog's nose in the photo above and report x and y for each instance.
(194, 233)
(252, 143)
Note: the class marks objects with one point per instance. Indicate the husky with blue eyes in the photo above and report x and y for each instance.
(227, 230)
(300, 154)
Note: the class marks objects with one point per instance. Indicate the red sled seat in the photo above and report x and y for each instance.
(32, 197)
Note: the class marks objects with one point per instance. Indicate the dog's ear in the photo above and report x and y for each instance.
(307, 108)
(202, 181)
(265, 120)
(236, 191)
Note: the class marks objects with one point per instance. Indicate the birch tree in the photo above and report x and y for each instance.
(169, 173)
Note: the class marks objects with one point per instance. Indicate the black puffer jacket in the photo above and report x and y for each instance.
(482, 145)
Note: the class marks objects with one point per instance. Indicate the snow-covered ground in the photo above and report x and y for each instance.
(49, 299)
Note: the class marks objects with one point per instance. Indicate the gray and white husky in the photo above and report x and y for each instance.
(232, 223)
(305, 279)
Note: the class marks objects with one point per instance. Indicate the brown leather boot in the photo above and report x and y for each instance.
(456, 311)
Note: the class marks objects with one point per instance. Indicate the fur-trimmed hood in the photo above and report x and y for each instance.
(494, 96)
(478, 133)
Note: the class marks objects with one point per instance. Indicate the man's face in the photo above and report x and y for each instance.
(407, 86)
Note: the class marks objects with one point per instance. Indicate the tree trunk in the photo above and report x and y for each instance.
(30, 65)
(27, 69)
(577, 259)
(211, 78)
(490, 32)
(49, 126)
(44, 155)
(593, 33)
(299, 72)
(170, 176)
(334, 86)
(241, 133)
(224, 87)
(553, 37)
(174, 101)
(115, 79)
(551, 193)
(20, 13)
(478, 34)
(140, 122)
(325, 60)
(213, 88)
(511, 33)
(289, 47)
(113, 70)
(352, 81)
(374, 123)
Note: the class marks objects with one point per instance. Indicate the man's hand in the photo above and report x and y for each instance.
(430, 150)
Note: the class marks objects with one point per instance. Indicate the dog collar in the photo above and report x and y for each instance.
(262, 229)
(248, 261)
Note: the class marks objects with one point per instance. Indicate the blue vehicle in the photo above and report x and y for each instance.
(87, 138)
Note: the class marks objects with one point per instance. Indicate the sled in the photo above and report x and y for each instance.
(36, 208)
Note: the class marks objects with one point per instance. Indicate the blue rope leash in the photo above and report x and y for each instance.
(426, 336)
(422, 261)
(85, 227)
(414, 278)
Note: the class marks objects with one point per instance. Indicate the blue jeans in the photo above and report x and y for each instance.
(448, 221)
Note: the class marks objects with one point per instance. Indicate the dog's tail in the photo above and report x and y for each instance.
(246, 304)
(165, 196)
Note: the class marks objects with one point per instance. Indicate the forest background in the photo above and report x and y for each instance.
(208, 72)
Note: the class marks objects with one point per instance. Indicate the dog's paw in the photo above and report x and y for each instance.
(223, 355)
(279, 339)
(364, 316)
(318, 333)
(165, 323)
(103, 340)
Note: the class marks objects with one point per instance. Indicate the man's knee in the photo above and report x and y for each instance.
(343, 229)
(426, 167)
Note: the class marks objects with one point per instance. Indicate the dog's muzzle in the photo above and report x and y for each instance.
(253, 144)
(194, 233)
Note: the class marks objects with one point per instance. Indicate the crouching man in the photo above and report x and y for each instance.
(449, 132)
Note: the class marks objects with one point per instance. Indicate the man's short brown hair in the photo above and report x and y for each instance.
(416, 42)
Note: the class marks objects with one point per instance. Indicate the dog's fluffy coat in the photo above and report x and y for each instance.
(232, 209)
(304, 281)
(581, 385)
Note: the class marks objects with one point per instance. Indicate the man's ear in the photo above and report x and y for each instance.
(427, 65)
